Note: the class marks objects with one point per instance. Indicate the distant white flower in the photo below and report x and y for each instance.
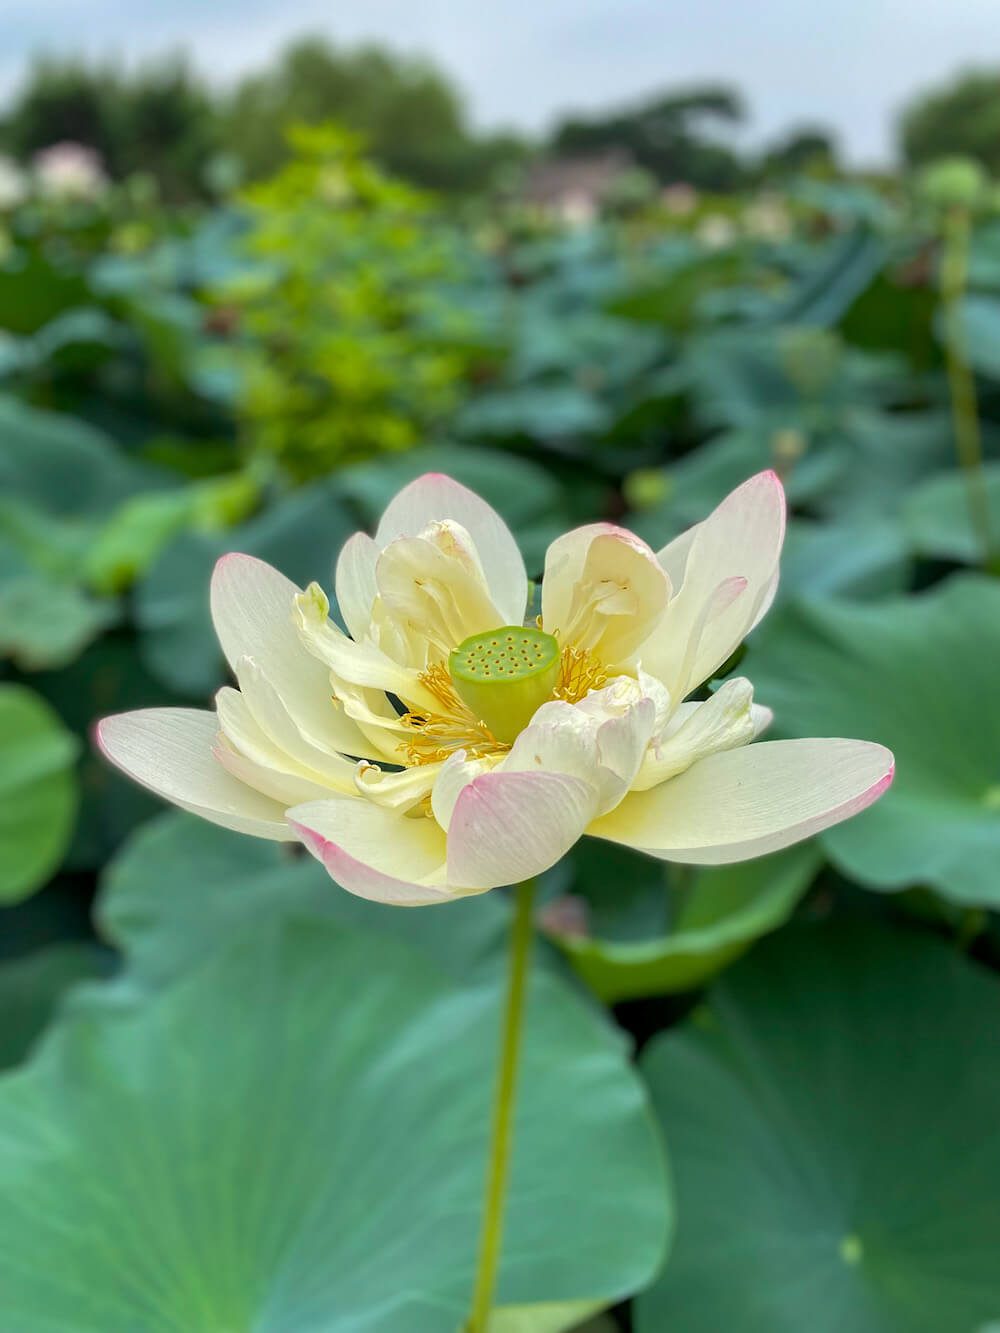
(679, 200)
(578, 209)
(13, 184)
(716, 231)
(442, 747)
(767, 218)
(70, 171)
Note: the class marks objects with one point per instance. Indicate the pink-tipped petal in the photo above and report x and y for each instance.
(375, 853)
(508, 826)
(170, 751)
(742, 538)
(433, 497)
(744, 803)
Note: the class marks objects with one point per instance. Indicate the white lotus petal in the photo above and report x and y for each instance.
(454, 776)
(396, 791)
(275, 720)
(434, 497)
(354, 582)
(722, 722)
(434, 584)
(286, 788)
(253, 612)
(169, 750)
(359, 664)
(603, 591)
(744, 803)
(375, 853)
(741, 539)
(506, 827)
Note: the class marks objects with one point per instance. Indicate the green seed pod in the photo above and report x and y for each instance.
(505, 675)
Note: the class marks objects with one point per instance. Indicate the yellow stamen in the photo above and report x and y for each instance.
(579, 673)
(437, 735)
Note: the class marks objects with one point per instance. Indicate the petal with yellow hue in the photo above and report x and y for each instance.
(270, 710)
(434, 497)
(354, 582)
(434, 584)
(722, 722)
(603, 591)
(744, 803)
(286, 788)
(359, 664)
(253, 612)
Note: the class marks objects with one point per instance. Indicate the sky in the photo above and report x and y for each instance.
(848, 64)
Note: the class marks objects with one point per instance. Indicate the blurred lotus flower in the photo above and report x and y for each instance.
(578, 209)
(679, 200)
(442, 747)
(767, 218)
(13, 185)
(716, 231)
(70, 171)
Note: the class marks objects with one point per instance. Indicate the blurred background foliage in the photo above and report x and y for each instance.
(242, 320)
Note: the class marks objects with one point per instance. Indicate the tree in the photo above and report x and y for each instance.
(666, 135)
(806, 149)
(962, 118)
(63, 100)
(159, 119)
(410, 115)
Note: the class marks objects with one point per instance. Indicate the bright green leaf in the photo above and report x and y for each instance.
(38, 791)
(719, 915)
(832, 1129)
(293, 1138)
(917, 674)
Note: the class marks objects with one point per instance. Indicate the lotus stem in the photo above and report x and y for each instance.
(501, 1137)
(961, 381)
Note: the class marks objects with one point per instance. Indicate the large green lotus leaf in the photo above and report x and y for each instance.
(45, 623)
(980, 321)
(846, 268)
(180, 888)
(857, 558)
(919, 675)
(937, 516)
(35, 289)
(38, 791)
(890, 454)
(688, 490)
(832, 1128)
(32, 988)
(710, 917)
(534, 411)
(293, 1137)
(61, 465)
(301, 535)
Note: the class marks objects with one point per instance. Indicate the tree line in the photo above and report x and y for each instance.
(164, 119)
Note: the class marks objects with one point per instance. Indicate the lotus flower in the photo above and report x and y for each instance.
(443, 746)
(70, 171)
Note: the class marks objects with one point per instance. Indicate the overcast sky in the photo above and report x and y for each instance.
(848, 64)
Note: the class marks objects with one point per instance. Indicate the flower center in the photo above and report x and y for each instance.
(505, 675)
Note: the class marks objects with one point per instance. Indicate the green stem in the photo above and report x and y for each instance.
(491, 1236)
(961, 382)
